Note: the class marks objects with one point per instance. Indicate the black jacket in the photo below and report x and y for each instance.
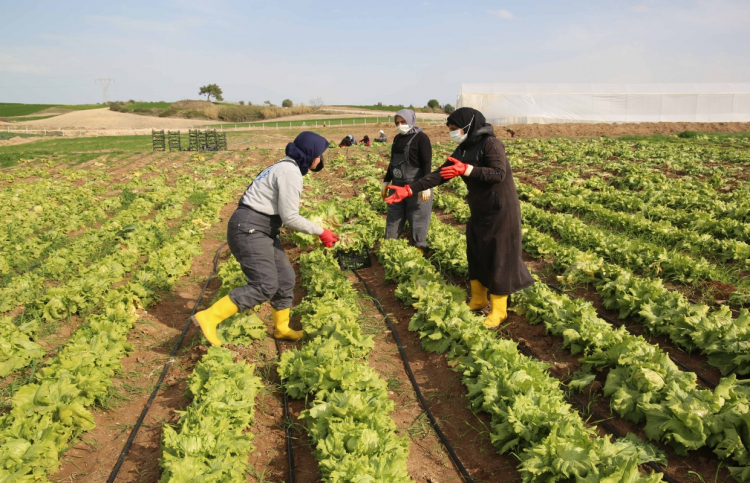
(493, 233)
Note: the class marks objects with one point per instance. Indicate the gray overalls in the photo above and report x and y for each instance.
(412, 209)
(253, 239)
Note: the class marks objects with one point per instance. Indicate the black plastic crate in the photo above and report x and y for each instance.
(354, 260)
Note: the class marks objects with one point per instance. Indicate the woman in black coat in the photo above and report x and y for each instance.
(493, 233)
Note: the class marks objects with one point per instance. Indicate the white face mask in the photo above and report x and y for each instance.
(457, 137)
(403, 128)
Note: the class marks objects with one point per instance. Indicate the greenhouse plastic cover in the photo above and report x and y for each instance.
(505, 104)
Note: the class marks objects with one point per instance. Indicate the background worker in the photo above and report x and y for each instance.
(272, 200)
(493, 233)
(411, 159)
(348, 141)
(382, 138)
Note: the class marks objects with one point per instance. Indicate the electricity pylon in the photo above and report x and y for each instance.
(105, 88)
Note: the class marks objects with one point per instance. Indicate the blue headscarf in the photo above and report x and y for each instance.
(306, 147)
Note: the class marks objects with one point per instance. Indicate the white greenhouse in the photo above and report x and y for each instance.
(505, 104)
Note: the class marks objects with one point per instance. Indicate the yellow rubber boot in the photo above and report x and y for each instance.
(281, 324)
(499, 306)
(478, 296)
(210, 318)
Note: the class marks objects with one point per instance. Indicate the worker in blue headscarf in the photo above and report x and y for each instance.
(270, 202)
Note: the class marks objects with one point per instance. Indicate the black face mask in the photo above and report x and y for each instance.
(319, 167)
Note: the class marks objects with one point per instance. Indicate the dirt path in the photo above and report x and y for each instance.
(14, 141)
(468, 432)
(106, 119)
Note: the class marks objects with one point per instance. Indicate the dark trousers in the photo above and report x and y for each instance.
(253, 239)
(416, 212)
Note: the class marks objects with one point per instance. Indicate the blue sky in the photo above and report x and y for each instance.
(358, 52)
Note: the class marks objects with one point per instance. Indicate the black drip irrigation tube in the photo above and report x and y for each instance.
(287, 426)
(137, 427)
(597, 417)
(415, 385)
(32, 266)
(612, 321)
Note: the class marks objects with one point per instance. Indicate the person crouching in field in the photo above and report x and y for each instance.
(411, 159)
(493, 233)
(270, 202)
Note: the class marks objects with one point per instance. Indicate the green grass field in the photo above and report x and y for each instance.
(147, 105)
(12, 109)
(81, 107)
(73, 149)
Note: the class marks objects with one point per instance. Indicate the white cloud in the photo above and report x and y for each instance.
(501, 13)
(641, 9)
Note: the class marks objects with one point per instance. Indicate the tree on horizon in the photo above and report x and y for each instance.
(211, 90)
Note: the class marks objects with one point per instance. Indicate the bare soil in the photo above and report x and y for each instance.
(467, 432)
(14, 141)
(107, 119)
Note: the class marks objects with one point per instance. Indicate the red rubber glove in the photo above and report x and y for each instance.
(458, 169)
(328, 238)
(401, 193)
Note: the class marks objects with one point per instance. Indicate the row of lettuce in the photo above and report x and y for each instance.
(724, 339)
(345, 445)
(80, 286)
(685, 154)
(348, 417)
(643, 384)
(211, 441)
(640, 224)
(39, 214)
(76, 273)
(704, 218)
(633, 165)
(530, 416)
(348, 414)
(46, 413)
